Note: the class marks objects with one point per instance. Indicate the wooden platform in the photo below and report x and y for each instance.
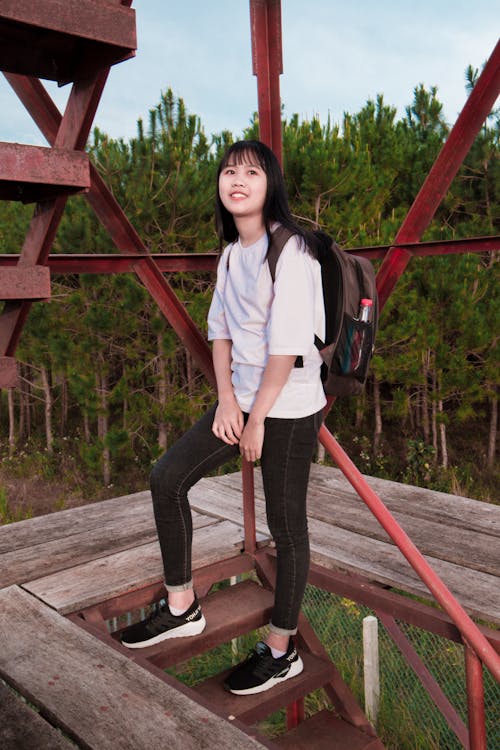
(76, 558)
(101, 558)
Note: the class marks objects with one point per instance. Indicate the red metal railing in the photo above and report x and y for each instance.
(267, 66)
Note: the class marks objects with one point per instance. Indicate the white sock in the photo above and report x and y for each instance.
(177, 612)
(277, 654)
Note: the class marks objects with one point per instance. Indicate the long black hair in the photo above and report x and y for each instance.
(276, 202)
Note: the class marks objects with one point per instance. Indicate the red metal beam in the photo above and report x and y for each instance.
(443, 596)
(361, 590)
(72, 133)
(199, 262)
(120, 229)
(430, 684)
(479, 104)
(475, 700)
(267, 60)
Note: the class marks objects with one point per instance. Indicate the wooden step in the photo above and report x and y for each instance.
(229, 613)
(9, 377)
(25, 282)
(324, 731)
(62, 39)
(34, 173)
(253, 708)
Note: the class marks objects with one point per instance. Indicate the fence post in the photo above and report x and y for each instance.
(371, 667)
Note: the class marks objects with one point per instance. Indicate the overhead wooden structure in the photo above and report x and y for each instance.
(75, 41)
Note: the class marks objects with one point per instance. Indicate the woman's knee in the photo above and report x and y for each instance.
(163, 476)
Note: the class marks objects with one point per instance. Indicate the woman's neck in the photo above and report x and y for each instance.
(250, 229)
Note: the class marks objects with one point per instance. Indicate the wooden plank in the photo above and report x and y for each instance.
(452, 510)
(229, 612)
(8, 372)
(251, 708)
(96, 695)
(109, 23)
(84, 585)
(22, 727)
(472, 548)
(27, 282)
(449, 509)
(72, 521)
(477, 592)
(46, 166)
(127, 529)
(325, 731)
(380, 561)
(456, 544)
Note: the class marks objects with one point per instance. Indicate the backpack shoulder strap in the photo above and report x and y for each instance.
(279, 238)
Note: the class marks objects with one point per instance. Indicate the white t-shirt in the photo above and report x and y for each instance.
(262, 318)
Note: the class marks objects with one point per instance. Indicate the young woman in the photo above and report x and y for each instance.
(267, 409)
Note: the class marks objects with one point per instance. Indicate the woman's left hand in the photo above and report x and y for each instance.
(251, 440)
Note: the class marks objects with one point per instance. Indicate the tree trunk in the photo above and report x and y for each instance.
(320, 453)
(162, 393)
(64, 404)
(360, 413)
(434, 414)
(86, 428)
(102, 426)
(189, 373)
(49, 435)
(22, 403)
(12, 422)
(442, 436)
(492, 441)
(377, 435)
(425, 395)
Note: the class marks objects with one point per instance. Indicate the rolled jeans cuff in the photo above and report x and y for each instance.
(183, 586)
(281, 631)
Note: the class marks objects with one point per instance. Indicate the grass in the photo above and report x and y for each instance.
(408, 718)
(7, 514)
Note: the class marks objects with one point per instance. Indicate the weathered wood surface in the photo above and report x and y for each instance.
(22, 728)
(79, 557)
(99, 697)
(47, 544)
(376, 557)
(82, 586)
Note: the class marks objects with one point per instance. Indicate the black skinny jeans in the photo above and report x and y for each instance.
(286, 459)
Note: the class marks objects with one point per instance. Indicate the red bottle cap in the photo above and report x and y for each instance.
(367, 302)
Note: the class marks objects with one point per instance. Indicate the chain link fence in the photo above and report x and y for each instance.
(408, 718)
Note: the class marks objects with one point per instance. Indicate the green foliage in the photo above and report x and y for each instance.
(120, 381)
(7, 515)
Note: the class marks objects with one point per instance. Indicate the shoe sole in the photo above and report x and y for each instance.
(295, 669)
(183, 631)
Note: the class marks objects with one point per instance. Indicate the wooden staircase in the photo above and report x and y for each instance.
(240, 609)
(68, 41)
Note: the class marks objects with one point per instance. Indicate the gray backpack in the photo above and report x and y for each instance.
(351, 313)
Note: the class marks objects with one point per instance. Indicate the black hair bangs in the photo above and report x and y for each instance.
(245, 152)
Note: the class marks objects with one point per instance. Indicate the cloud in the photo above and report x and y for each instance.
(336, 56)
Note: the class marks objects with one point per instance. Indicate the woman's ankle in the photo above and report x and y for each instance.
(181, 600)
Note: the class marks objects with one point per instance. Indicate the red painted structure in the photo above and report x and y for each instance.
(109, 37)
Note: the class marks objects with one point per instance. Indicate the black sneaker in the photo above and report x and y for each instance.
(162, 625)
(261, 671)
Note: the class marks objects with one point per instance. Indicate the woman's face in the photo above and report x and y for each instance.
(243, 187)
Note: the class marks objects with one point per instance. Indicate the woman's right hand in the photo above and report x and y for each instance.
(228, 421)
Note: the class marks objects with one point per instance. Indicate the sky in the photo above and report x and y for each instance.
(337, 54)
